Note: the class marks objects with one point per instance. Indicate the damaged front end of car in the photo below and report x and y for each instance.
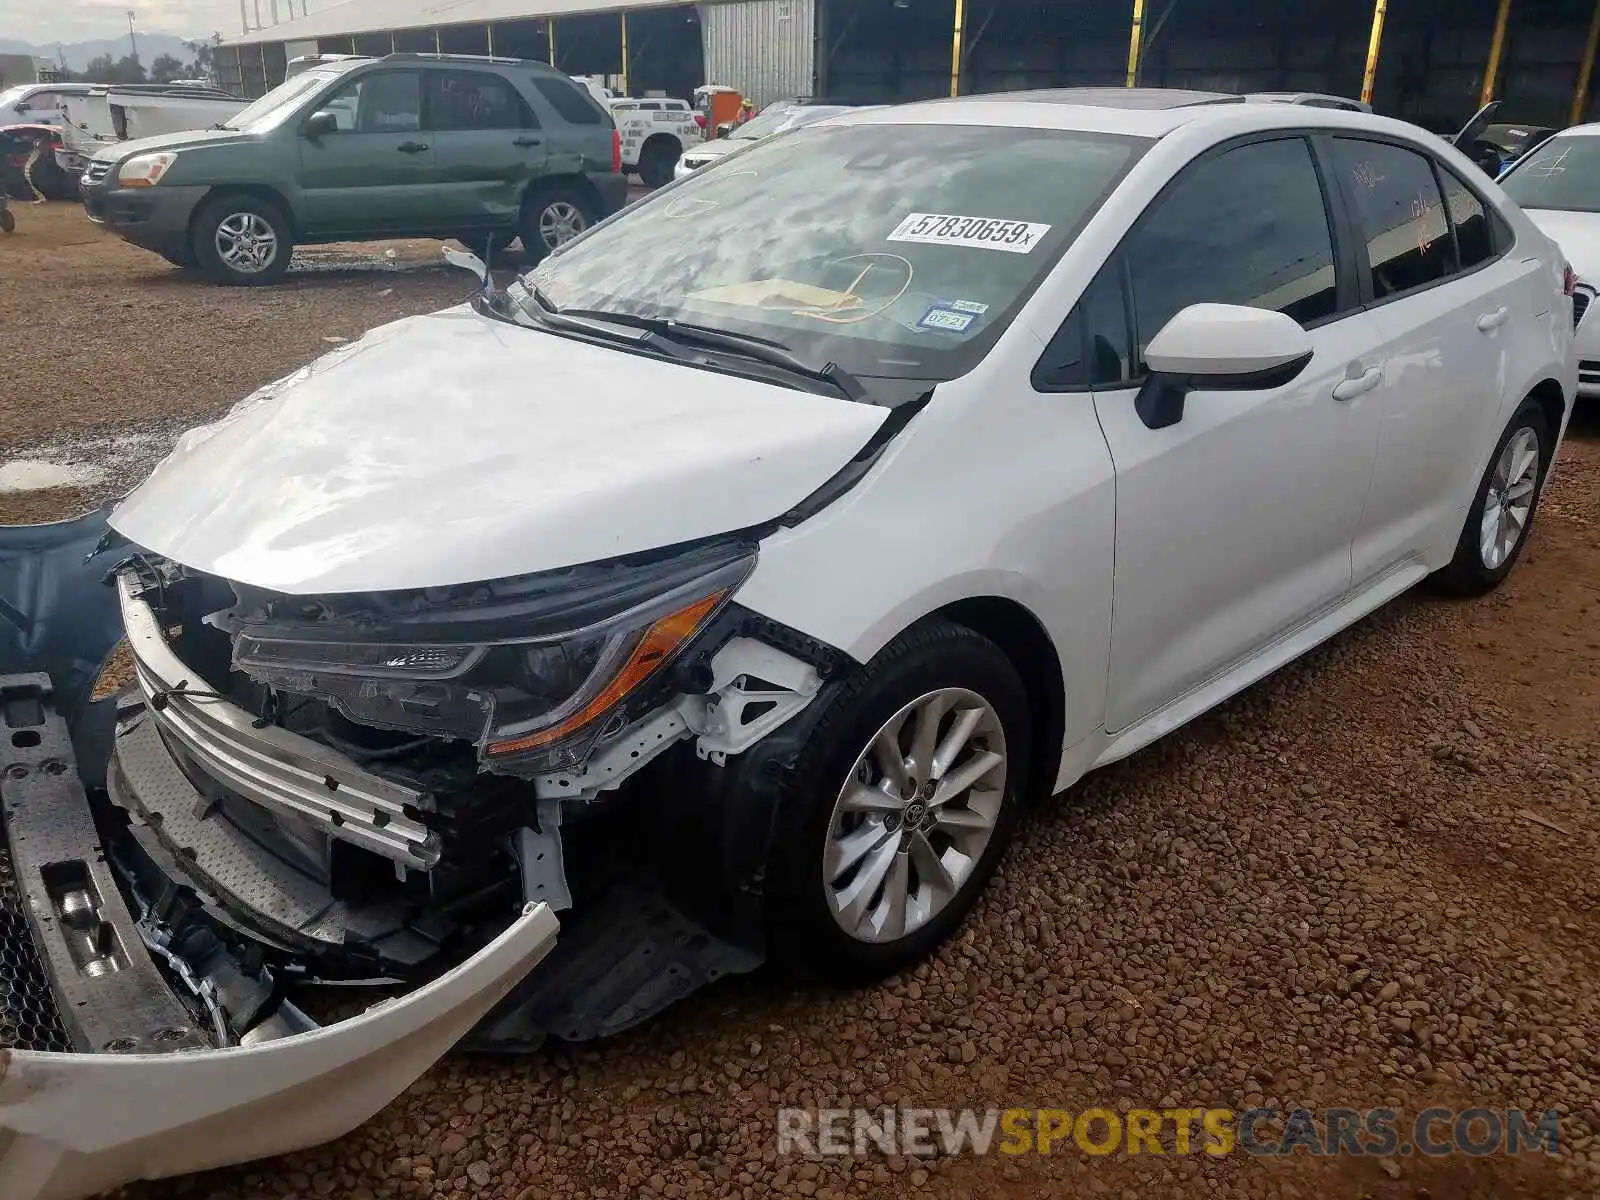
(321, 839)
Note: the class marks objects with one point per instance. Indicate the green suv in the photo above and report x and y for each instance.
(411, 145)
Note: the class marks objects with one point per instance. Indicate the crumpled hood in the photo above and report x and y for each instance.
(1578, 235)
(453, 448)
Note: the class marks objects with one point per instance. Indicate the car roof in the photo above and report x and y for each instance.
(1133, 112)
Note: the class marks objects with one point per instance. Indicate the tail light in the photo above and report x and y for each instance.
(1569, 282)
(616, 151)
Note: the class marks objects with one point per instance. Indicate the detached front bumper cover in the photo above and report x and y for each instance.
(76, 1124)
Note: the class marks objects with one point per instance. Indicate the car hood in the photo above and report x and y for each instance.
(187, 140)
(717, 148)
(1578, 235)
(454, 448)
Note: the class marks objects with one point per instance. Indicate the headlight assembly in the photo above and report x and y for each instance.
(529, 674)
(145, 170)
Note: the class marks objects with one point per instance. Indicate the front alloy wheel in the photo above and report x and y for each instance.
(912, 822)
(898, 805)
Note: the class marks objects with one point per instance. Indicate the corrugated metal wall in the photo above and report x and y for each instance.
(765, 48)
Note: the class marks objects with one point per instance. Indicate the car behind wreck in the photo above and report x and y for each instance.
(708, 607)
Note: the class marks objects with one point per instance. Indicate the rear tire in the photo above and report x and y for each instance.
(878, 859)
(658, 160)
(242, 240)
(551, 217)
(1502, 512)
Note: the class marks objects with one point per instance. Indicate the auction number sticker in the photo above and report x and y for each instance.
(982, 233)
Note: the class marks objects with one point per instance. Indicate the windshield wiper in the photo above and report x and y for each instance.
(594, 325)
(746, 345)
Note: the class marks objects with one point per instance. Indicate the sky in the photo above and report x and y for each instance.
(50, 21)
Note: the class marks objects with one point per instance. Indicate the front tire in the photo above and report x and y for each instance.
(901, 805)
(1502, 510)
(242, 240)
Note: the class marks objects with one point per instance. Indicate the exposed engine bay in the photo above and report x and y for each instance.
(377, 783)
(356, 818)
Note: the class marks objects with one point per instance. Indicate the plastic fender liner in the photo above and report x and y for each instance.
(715, 828)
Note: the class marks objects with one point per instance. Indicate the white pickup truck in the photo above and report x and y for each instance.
(655, 131)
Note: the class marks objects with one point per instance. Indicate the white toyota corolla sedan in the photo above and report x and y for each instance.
(733, 603)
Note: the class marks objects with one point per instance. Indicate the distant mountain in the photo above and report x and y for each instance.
(79, 54)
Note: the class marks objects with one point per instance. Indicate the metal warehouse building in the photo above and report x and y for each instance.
(1433, 61)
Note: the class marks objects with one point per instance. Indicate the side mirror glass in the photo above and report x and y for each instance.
(1219, 347)
(322, 123)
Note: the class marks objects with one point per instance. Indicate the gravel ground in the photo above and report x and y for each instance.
(1368, 881)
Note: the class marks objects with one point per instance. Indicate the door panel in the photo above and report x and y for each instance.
(487, 148)
(1235, 524)
(1446, 337)
(374, 173)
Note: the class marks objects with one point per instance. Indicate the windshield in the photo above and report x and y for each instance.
(277, 105)
(774, 122)
(894, 251)
(1564, 173)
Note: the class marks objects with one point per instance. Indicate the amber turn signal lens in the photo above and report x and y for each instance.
(660, 642)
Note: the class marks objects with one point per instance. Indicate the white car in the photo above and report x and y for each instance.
(1558, 186)
(735, 604)
(775, 120)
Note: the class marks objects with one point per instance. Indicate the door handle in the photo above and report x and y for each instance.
(1489, 322)
(1360, 385)
(526, 141)
(412, 147)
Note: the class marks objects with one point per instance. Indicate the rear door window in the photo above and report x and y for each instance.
(462, 100)
(1400, 212)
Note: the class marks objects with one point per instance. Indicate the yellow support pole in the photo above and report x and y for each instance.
(955, 48)
(438, 43)
(1135, 40)
(550, 31)
(1491, 73)
(1369, 80)
(489, 28)
(393, 45)
(1580, 96)
(625, 90)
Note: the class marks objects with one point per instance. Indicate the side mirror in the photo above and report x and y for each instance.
(321, 123)
(1219, 347)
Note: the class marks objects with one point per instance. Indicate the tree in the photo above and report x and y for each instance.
(165, 69)
(127, 69)
(205, 57)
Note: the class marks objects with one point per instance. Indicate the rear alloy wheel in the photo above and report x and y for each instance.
(551, 219)
(1502, 511)
(242, 240)
(900, 806)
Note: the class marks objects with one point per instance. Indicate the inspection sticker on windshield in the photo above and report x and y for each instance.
(982, 233)
(946, 320)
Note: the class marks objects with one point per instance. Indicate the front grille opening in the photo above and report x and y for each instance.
(29, 1019)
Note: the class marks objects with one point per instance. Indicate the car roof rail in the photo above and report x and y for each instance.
(429, 56)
